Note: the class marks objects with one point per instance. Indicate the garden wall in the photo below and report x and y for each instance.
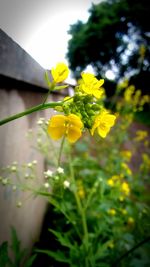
(22, 86)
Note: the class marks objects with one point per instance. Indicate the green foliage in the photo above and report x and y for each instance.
(112, 36)
(4, 258)
(99, 201)
(18, 254)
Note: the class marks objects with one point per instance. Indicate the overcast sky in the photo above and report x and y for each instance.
(40, 26)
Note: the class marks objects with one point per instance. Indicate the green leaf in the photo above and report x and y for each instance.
(30, 261)
(16, 248)
(58, 255)
(4, 258)
(63, 239)
(47, 79)
(59, 87)
(15, 241)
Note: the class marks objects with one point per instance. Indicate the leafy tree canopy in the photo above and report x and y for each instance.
(115, 37)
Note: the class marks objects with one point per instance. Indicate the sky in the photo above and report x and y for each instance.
(40, 26)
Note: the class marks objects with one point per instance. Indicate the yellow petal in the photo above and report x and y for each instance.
(74, 134)
(86, 89)
(56, 132)
(103, 131)
(98, 93)
(87, 77)
(57, 120)
(101, 82)
(75, 120)
(96, 124)
(109, 119)
(60, 72)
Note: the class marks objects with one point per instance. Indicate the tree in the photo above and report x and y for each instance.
(116, 37)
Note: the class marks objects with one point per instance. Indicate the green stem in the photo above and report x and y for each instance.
(60, 150)
(30, 110)
(81, 212)
(45, 98)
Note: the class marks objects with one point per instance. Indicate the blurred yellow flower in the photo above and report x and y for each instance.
(103, 122)
(69, 126)
(129, 93)
(140, 135)
(127, 154)
(112, 212)
(136, 98)
(146, 143)
(145, 99)
(117, 177)
(123, 84)
(124, 211)
(142, 51)
(126, 168)
(60, 72)
(81, 193)
(110, 244)
(125, 189)
(80, 189)
(91, 85)
(115, 180)
(121, 198)
(130, 221)
(110, 182)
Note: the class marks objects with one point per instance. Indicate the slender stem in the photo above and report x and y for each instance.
(81, 211)
(92, 192)
(60, 150)
(45, 98)
(51, 88)
(30, 110)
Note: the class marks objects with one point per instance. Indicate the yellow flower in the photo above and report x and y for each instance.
(60, 72)
(121, 198)
(123, 84)
(110, 182)
(111, 212)
(103, 122)
(127, 154)
(110, 244)
(90, 85)
(124, 211)
(80, 189)
(130, 221)
(128, 94)
(117, 177)
(125, 188)
(81, 193)
(142, 51)
(69, 126)
(140, 135)
(126, 168)
(145, 99)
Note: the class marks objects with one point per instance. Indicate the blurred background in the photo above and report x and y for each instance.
(110, 39)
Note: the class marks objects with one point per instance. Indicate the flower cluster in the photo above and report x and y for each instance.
(132, 100)
(84, 110)
(118, 181)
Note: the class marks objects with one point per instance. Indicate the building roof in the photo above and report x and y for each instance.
(18, 65)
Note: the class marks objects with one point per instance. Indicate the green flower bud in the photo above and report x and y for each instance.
(76, 98)
(5, 181)
(87, 99)
(59, 108)
(96, 107)
(66, 109)
(91, 112)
